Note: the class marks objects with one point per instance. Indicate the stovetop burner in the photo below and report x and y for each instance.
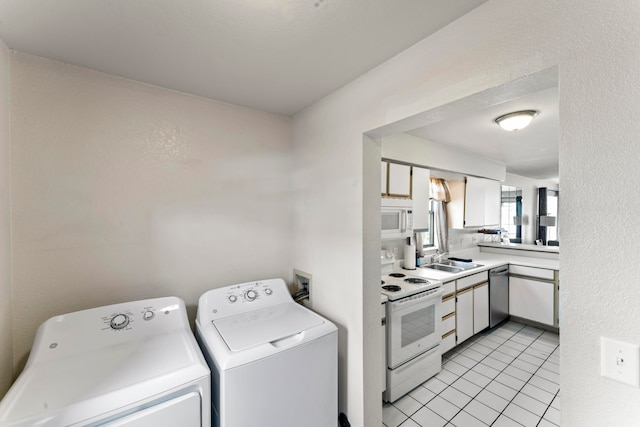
(415, 280)
(397, 275)
(392, 288)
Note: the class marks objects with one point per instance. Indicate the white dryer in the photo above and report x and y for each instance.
(273, 362)
(134, 364)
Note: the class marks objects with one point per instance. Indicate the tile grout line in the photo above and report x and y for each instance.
(504, 341)
(502, 371)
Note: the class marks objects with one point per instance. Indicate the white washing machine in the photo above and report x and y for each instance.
(273, 362)
(134, 364)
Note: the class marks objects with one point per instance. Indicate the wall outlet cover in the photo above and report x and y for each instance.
(620, 361)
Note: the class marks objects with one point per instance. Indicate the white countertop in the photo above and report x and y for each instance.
(522, 247)
(487, 260)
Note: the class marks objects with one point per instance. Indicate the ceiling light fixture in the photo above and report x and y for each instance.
(516, 120)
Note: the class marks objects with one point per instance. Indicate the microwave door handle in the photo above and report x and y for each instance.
(403, 221)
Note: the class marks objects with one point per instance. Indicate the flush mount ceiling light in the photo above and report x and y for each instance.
(516, 120)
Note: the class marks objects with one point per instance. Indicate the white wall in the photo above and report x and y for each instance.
(593, 46)
(6, 345)
(125, 191)
(433, 155)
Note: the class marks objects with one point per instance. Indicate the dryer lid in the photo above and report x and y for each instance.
(265, 325)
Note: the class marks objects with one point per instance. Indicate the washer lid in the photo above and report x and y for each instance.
(265, 325)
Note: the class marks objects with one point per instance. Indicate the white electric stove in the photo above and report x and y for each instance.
(397, 283)
(413, 331)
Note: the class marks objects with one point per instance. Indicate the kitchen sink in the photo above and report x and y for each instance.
(452, 266)
(443, 267)
(460, 264)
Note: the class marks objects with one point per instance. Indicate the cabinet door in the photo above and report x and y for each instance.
(492, 200)
(399, 180)
(482, 202)
(531, 299)
(474, 203)
(464, 315)
(384, 169)
(480, 307)
(420, 191)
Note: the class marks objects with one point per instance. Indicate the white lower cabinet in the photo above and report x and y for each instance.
(532, 299)
(464, 315)
(480, 307)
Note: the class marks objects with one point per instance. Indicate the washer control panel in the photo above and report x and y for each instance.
(248, 292)
(235, 299)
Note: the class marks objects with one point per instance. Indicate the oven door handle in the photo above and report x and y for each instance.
(404, 303)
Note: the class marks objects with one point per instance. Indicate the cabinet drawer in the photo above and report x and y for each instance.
(448, 342)
(448, 305)
(448, 323)
(541, 273)
(471, 280)
(531, 299)
(449, 287)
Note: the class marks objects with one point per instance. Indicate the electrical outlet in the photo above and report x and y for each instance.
(620, 361)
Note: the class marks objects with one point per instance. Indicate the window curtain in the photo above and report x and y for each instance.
(440, 195)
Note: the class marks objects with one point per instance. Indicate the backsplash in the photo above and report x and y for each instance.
(459, 239)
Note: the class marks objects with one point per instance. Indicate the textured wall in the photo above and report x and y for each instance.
(594, 45)
(6, 345)
(125, 191)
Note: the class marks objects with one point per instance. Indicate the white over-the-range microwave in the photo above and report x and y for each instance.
(396, 218)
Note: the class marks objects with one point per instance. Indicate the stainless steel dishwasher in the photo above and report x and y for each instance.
(498, 295)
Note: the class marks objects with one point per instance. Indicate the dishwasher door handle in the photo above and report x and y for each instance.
(499, 273)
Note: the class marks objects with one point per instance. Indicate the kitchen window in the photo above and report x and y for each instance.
(427, 234)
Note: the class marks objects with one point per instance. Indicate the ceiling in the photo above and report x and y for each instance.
(272, 55)
(278, 56)
(531, 152)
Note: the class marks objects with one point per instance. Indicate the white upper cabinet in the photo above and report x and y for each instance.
(420, 190)
(474, 203)
(398, 180)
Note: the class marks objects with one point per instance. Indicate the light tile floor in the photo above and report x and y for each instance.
(503, 377)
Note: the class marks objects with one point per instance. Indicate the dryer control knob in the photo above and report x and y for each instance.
(232, 298)
(119, 321)
(268, 291)
(251, 295)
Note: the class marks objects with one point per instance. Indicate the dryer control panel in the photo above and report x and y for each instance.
(107, 326)
(244, 297)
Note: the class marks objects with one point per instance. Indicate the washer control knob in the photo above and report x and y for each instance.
(268, 291)
(119, 321)
(148, 315)
(232, 298)
(251, 295)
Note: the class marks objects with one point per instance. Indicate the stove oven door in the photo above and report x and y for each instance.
(413, 326)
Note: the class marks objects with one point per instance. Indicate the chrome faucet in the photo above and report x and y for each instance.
(437, 256)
